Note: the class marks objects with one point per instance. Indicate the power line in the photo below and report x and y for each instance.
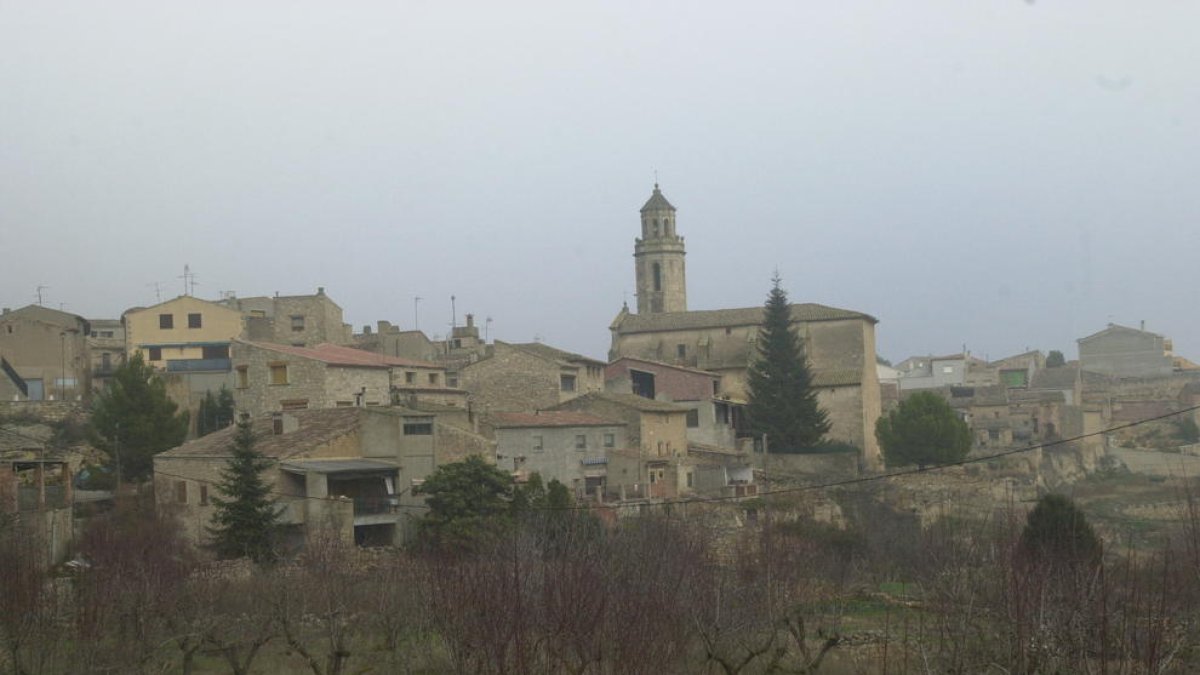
(725, 499)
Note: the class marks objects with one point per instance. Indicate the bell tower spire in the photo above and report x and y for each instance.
(659, 259)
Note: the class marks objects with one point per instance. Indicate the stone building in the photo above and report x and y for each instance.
(531, 376)
(297, 320)
(712, 419)
(348, 472)
(840, 343)
(46, 353)
(1119, 351)
(655, 461)
(573, 448)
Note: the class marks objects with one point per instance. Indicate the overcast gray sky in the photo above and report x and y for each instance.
(1004, 174)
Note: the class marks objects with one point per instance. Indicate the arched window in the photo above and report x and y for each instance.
(657, 277)
(656, 227)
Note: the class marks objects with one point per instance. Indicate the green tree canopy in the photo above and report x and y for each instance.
(468, 501)
(923, 430)
(216, 412)
(134, 419)
(1055, 359)
(782, 403)
(1058, 533)
(245, 523)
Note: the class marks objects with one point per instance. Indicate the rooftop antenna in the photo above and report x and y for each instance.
(487, 323)
(41, 288)
(189, 280)
(157, 291)
(416, 314)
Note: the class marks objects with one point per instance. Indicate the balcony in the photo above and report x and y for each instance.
(198, 365)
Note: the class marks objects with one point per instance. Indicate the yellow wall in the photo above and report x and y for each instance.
(218, 324)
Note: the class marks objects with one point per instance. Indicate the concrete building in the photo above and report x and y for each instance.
(951, 370)
(1119, 351)
(532, 376)
(713, 418)
(345, 472)
(840, 344)
(46, 353)
(573, 448)
(297, 320)
(183, 335)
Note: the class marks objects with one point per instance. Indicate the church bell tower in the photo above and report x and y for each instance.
(658, 257)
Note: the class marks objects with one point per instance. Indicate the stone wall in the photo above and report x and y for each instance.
(45, 411)
(511, 380)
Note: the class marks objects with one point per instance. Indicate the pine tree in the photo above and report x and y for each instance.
(923, 430)
(783, 404)
(135, 420)
(246, 517)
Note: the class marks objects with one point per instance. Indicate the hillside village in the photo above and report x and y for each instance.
(354, 420)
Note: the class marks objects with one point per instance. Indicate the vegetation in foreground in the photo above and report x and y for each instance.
(672, 591)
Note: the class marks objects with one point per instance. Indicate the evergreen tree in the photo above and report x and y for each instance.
(783, 404)
(246, 519)
(1057, 533)
(1055, 359)
(468, 501)
(135, 420)
(923, 430)
(216, 412)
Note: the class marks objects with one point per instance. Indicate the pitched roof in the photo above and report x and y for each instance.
(337, 355)
(629, 400)
(551, 418)
(657, 201)
(547, 352)
(672, 366)
(720, 318)
(316, 427)
(1116, 328)
(45, 315)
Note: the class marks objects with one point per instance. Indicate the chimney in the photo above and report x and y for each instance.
(367, 330)
(320, 290)
(1143, 323)
(470, 321)
(383, 326)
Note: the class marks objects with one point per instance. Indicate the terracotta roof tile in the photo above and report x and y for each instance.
(551, 418)
(337, 355)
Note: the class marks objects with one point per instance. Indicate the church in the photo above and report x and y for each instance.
(839, 343)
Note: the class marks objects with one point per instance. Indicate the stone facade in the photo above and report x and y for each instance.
(48, 350)
(516, 378)
(297, 320)
(275, 377)
(659, 258)
(106, 349)
(839, 344)
(1119, 351)
(712, 420)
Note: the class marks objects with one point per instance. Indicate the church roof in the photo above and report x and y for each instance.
(657, 202)
(720, 318)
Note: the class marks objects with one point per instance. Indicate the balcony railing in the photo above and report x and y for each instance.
(365, 506)
(198, 365)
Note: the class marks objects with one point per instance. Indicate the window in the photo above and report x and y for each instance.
(203, 495)
(194, 321)
(566, 382)
(728, 331)
(410, 378)
(294, 404)
(657, 270)
(433, 378)
(610, 440)
(214, 352)
(279, 374)
(693, 418)
(181, 491)
(681, 351)
(10, 329)
(457, 343)
(343, 404)
(105, 362)
(166, 321)
(451, 380)
(947, 369)
(580, 442)
(418, 429)
(155, 354)
(689, 479)
(538, 444)
(297, 322)
(243, 377)
(722, 413)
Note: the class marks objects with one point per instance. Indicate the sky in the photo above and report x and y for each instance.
(1000, 174)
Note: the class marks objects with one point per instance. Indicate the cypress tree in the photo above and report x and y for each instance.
(246, 517)
(783, 404)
